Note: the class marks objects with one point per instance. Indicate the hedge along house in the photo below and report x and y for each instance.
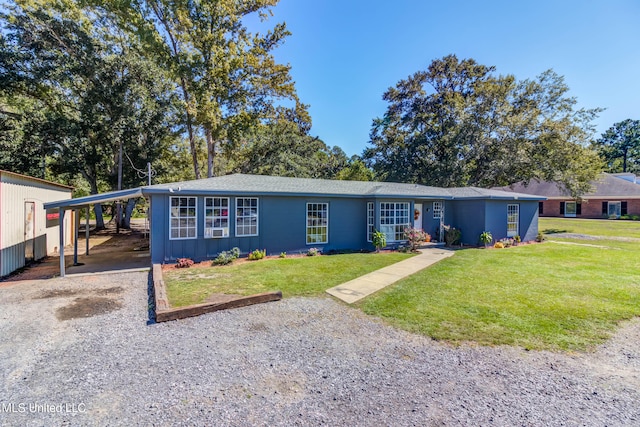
(27, 231)
(199, 219)
(611, 196)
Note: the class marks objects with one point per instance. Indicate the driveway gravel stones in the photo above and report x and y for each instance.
(299, 361)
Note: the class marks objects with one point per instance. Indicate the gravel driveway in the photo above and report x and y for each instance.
(294, 362)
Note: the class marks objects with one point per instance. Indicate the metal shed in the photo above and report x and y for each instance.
(28, 231)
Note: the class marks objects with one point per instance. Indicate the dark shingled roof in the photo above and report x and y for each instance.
(262, 184)
(606, 186)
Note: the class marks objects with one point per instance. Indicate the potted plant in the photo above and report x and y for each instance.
(379, 240)
(486, 238)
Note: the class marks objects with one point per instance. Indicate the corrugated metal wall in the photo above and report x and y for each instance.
(15, 191)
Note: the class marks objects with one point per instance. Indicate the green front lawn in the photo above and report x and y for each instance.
(543, 296)
(306, 276)
(540, 296)
(594, 227)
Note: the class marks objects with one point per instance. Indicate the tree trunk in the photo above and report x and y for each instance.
(211, 153)
(126, 218)
(192, 138)
(97, 208)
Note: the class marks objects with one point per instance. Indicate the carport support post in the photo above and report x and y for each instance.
(61, 226)
(76, 216)
(86, 232)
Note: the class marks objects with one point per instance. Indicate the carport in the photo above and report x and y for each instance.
(85, 203)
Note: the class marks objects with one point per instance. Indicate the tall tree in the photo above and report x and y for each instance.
(228, 77)
(458, 124)
(283, 148)
(620, 146)
(96, 92)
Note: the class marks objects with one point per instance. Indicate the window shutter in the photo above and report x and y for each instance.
(623, 208)
(578, 208)
(540, 208)
(605, 208)
(561, 208)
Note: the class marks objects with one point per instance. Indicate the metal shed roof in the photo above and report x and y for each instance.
(95, 198)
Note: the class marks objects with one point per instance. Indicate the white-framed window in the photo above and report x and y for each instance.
(437, 210)
(246, 216)
(570, 209)
(513, 219)
(371, 218)
(182, 217)
(216, 217)
(317, 223)
(394, 218)
(614, 209)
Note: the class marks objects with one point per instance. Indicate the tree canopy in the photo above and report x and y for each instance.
(458, 124)
(81, 91)
(619, 146)
(228, 78)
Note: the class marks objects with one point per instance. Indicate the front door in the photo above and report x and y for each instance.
(417, 216)
(29, 229)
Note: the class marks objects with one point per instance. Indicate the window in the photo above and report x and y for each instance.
(317, 223)
(246, 216)
(513, 219)
(216, 217)
(182, 218)
(437, 210)
(570, 209)
(394, 218)
(607, 210)
(614, 209)
(540, 208)
(371, 221)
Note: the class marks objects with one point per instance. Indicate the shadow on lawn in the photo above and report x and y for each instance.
(553, 231)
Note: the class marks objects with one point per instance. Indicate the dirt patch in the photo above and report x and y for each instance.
(87, 307)
(110, 291)
(57, 293)
(219, 298)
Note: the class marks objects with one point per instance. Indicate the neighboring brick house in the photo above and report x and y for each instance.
(611, 197)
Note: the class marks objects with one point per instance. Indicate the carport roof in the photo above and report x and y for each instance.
(95, 198)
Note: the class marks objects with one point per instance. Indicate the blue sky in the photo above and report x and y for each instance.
(345, 53)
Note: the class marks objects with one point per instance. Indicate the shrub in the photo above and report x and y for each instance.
(540, 237)
(283, 254)
(257, 254)
(379, 240)
(486, 238)
(313, 252)
(184, 263)
(506, 242)
(414, 237)
(498, 245)
(226, 257)
(451, 235)
(516, 239)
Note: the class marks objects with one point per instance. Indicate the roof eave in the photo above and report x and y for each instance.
(95, 198)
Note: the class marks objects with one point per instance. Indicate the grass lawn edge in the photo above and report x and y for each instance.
(164, 312)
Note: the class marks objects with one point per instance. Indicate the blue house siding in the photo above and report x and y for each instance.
(281, 228)
(473, 217)
(469, 216)
(528, 220)
(430, 224)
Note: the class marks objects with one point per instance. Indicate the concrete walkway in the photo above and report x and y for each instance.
(356, 289)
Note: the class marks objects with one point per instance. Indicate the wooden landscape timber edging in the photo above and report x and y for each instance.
(164, 312)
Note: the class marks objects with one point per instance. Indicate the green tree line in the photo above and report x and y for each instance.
(186, 86)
